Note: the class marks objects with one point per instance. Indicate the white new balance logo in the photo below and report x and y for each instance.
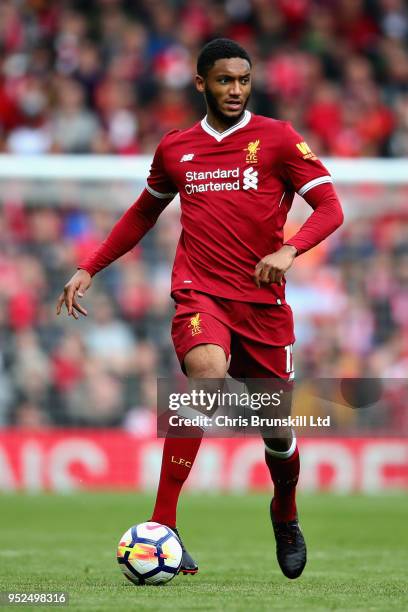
(250, 178)
(187, 157)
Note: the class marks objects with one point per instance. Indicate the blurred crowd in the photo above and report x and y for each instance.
(349, 296)
(111, 76)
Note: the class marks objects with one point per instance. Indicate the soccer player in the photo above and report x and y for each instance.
(236, 174)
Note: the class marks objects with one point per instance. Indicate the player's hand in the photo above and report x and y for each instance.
(272, 267)
(76, 287)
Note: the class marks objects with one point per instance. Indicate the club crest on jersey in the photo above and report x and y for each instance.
(252, 152)
(195, 325)
(305, 150)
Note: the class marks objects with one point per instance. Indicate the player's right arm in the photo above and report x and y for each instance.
(124, 236)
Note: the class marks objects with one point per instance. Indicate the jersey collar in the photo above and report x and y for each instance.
(221, 135)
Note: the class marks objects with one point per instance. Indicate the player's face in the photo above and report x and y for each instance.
(227, 88)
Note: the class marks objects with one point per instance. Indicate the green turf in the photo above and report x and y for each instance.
(358, 553)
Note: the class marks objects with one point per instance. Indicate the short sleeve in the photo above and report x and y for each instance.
(299, 165)
(159, 183)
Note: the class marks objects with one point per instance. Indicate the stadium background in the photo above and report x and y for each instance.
(110, 77)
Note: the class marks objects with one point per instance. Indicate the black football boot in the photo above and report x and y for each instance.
(290, 546)
(188, 565)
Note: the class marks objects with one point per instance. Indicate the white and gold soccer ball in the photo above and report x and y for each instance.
(149, 553)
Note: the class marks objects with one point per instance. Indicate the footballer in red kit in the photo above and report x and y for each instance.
(236, 174)
(236, 189)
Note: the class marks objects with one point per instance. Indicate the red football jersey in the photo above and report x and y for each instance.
(236, 188)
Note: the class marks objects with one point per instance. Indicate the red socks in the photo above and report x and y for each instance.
(285, 474)
(178, 458)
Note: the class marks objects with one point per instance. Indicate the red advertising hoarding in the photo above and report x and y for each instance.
(64, 460)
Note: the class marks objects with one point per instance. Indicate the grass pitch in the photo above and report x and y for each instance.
(357, 548)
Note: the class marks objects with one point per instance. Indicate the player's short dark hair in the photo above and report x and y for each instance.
(219, 48)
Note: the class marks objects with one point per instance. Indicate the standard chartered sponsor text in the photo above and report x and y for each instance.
(192, 176)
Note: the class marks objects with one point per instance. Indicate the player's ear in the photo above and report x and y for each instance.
(199, 83)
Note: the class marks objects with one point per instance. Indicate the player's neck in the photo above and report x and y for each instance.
(220, 125)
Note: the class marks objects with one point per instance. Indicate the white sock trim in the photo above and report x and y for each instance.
(282, 454)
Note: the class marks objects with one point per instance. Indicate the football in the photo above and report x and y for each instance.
(149, 553)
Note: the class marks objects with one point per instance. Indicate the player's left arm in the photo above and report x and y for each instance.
(327, 216)
(308, 176)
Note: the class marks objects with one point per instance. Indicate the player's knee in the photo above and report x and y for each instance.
(206, 361)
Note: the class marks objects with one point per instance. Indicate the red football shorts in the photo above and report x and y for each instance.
(258, 337)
